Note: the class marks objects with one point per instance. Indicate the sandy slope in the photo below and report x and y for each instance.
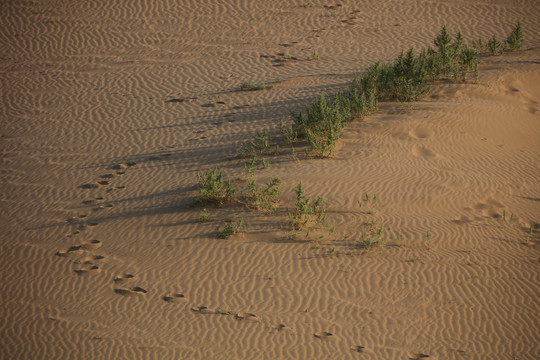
(99, 170)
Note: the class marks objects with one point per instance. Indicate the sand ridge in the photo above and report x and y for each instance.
(111, 108)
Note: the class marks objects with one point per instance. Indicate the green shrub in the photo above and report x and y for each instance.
(231, 229)
(213, 189)
(250, 86)
(494, 46)
(323, 123)
(514, 41)
(306, 212)
(203, 216)
(266, 199)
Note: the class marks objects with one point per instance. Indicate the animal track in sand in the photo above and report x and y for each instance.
(131, 291)
(282, 327)
(123, 166)
(360, 349)
(87, 269)
(70, 251)
(96, 200)
(175, 298)
(90, 259)
(420, 133)
(103, 207)
(89, 186)
(121, 187)
(323, 335)
(202, 310)
(181, 100)
(415, 356)
(124, 278)
(76, 218)
(246, 316)
(90, 245)
(424, 152)
(94, 185)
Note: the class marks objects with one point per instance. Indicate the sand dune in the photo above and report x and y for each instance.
(110, 109)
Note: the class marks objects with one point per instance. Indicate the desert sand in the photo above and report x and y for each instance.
(110, 109)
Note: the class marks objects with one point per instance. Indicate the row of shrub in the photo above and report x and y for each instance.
(322, 122)
(404, 79)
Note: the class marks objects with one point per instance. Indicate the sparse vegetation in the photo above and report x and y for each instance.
(213, 189)
(307, 212)
(232, 229)
(321, 124)
(251, 86)
(514, 41)
(314, 56)
(203, 216)
(266, 199)
(494, 46)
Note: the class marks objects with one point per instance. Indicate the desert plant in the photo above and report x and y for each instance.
(307, 212)
(323, 123)
(213, 189)
(231, 229)
(514, 41)
(251, 86)
(203, 216)
(266, 199)
(494, 46)
(314, 56)
(374, 238)
(261, 142)
(249, 167)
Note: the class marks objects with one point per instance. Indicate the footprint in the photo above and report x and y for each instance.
(282, 327)
(90, 245)
(131, 291)
(93, 201)
(202, 310)
(175, 298)
(246, 316)
(420, 133)
(87, 269)
(181, 100)
(91, 259)
(76, 218)
(424, 152)
(323, 335)
(360, 349)
(124, 278)
(70, 251)
(89, 186)
(103, 207)
(107, 176)
(415, 356)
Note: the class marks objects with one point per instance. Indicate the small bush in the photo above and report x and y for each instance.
(307, 212)
(323, 123)
(494, 46)
(203, 216)
(250, 86)
(514, 41)
(213, 189)
(231, 229)
(260, 144)
(266, 199)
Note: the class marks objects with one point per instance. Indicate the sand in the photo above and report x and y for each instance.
(110, 109)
